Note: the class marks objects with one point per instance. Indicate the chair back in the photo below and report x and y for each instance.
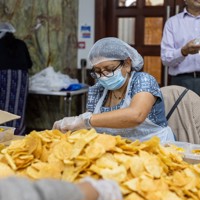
(184, 120)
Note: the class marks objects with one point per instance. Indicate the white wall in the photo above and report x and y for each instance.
(85, 29)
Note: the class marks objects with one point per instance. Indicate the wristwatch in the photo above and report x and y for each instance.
(86, 118)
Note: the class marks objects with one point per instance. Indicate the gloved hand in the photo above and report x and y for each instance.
(74, 123)
(107, 189)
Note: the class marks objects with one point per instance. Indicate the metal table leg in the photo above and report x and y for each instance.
(69, 101)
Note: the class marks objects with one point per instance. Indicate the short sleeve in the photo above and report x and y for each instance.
(143, 82)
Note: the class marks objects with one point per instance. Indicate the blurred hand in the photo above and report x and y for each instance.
(73, 123)
(107, 189)
(192, 47)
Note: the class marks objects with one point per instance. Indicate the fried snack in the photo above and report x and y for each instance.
(196, 151)
(143, 170)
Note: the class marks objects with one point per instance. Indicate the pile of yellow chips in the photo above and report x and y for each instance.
(143, 170)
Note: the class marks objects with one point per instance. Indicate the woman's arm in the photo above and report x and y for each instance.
(131, 116)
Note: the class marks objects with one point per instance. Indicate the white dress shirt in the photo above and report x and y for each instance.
(179, 30)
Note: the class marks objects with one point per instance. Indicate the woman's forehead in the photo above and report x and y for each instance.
(106, 63)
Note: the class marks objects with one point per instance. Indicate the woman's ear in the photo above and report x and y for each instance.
(128, 63)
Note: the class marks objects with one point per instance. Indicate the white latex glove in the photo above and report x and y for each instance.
(74, 123)
(107, 189)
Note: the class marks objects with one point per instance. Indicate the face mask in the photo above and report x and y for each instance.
(114, 82)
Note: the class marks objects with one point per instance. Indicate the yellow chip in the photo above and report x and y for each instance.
(168, 195)
(134, 196)
(62, 150)
(123, 159)
(81, 163)
(125, 190)
(107, 161)
(45, 153)
(10, 161)
(5, 170)
(107, 141)
(90, 135)
(147, 184)
(70, 173)
(151, 164)
(77, 148)
(94, 151)
(196, 151)
(136, 166)
(2, 146)
(53, 160)
(41, 170)
(118, 174)
(132, 184)
(96, 169)
(77, 135)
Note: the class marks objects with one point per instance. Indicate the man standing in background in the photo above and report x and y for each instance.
(180, 47)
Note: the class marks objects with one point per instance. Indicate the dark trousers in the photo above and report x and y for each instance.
(189, 80)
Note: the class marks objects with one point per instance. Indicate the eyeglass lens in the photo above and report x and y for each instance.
(107, 73)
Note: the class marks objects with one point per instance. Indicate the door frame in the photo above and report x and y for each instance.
(107, 12)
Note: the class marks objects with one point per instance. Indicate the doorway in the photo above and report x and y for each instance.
(139, 23)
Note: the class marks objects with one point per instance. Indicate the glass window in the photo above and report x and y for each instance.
(152, 65)
(154, 2)
(153, 30)
(126, 29)
(127, 3)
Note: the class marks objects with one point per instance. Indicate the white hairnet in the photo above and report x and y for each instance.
(112, 48)
(7, 27)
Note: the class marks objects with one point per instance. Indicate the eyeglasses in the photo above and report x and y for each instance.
(96, 74)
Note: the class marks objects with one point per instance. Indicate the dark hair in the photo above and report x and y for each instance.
(9, 41)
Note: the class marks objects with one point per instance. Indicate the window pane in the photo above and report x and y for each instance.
(154, 2)
(153, 30)
(127, 3)
(152, 65)
(126, 29)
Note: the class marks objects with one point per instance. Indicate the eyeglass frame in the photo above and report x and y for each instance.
(94, 74)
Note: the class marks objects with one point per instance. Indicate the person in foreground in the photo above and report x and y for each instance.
(180, 47)
(49, 189)
(123, 101)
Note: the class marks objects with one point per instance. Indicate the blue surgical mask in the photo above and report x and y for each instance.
(114, 82)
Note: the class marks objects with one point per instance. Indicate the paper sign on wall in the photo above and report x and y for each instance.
(81, 45)
(85, 31)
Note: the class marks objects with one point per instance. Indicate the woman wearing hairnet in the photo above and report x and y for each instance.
(14, 64)
(123, 101)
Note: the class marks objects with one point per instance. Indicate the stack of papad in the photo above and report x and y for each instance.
(143, 170)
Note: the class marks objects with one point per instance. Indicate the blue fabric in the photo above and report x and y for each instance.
(13, 95)
(73, 87)
(141, 82)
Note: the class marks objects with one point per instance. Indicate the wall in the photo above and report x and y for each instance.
(86, 19)
(49, 28)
